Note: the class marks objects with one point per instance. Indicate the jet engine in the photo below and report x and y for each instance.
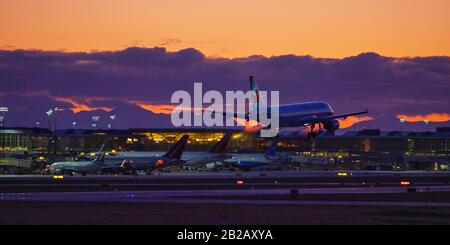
(332, 125)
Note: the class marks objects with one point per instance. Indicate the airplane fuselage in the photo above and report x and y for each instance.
(154, 163)
(295, 115)
(79, 167)
(250, 160)
(205, 158)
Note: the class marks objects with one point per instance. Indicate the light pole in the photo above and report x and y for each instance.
(112, 117)
(52, 138)
(426, 124)
(3, 111)
(402, 121)
(95, 120)
(54, 116)
(49, 114)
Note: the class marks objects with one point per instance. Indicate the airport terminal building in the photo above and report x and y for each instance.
(366, 149)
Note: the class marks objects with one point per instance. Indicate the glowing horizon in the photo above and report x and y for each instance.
(431, 117)
(330, 29)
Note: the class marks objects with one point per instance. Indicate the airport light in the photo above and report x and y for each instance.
(3, 111)
(95, 120)
(54, 116)
(49, 112)
(52, 112)
(426, 124)
(112, 117)
(402, 121)
(74, 124)
(405, 182)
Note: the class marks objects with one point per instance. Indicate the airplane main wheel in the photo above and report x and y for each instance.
(311, 135)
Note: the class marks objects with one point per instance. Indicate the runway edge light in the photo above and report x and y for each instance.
(405, 182)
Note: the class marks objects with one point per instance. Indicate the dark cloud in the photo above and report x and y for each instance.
(32, 80)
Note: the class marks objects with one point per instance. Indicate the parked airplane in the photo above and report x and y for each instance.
(171, 158)
(305, 114)
(82, 167)
(248, 161)
(216, 154)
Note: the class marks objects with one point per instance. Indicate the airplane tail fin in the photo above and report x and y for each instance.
(177, 149)
(254, 88)
(271, 152)
(100, 155)
(221, 146)
(257, 103)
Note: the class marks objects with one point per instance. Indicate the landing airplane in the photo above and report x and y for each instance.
(171, 158)
(305, 114)
(83, 167)
(216, 154)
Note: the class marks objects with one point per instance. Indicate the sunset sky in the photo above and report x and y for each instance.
(232, 28)
(126, 57)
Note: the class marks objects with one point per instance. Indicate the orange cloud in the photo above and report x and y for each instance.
(157, 109)
(163, 108)
(77, 107)
(350, 121)
(432, 117)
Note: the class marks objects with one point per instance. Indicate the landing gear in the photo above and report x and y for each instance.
(311, 134)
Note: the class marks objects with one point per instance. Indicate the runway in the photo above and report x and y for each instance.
(222, 196)
(273, 197)
(218, 180)
(249, 188)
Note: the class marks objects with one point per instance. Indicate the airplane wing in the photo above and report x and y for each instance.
(228, 114)
(236, 115)
(305, 121)
(325, 119)
(115, 167)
